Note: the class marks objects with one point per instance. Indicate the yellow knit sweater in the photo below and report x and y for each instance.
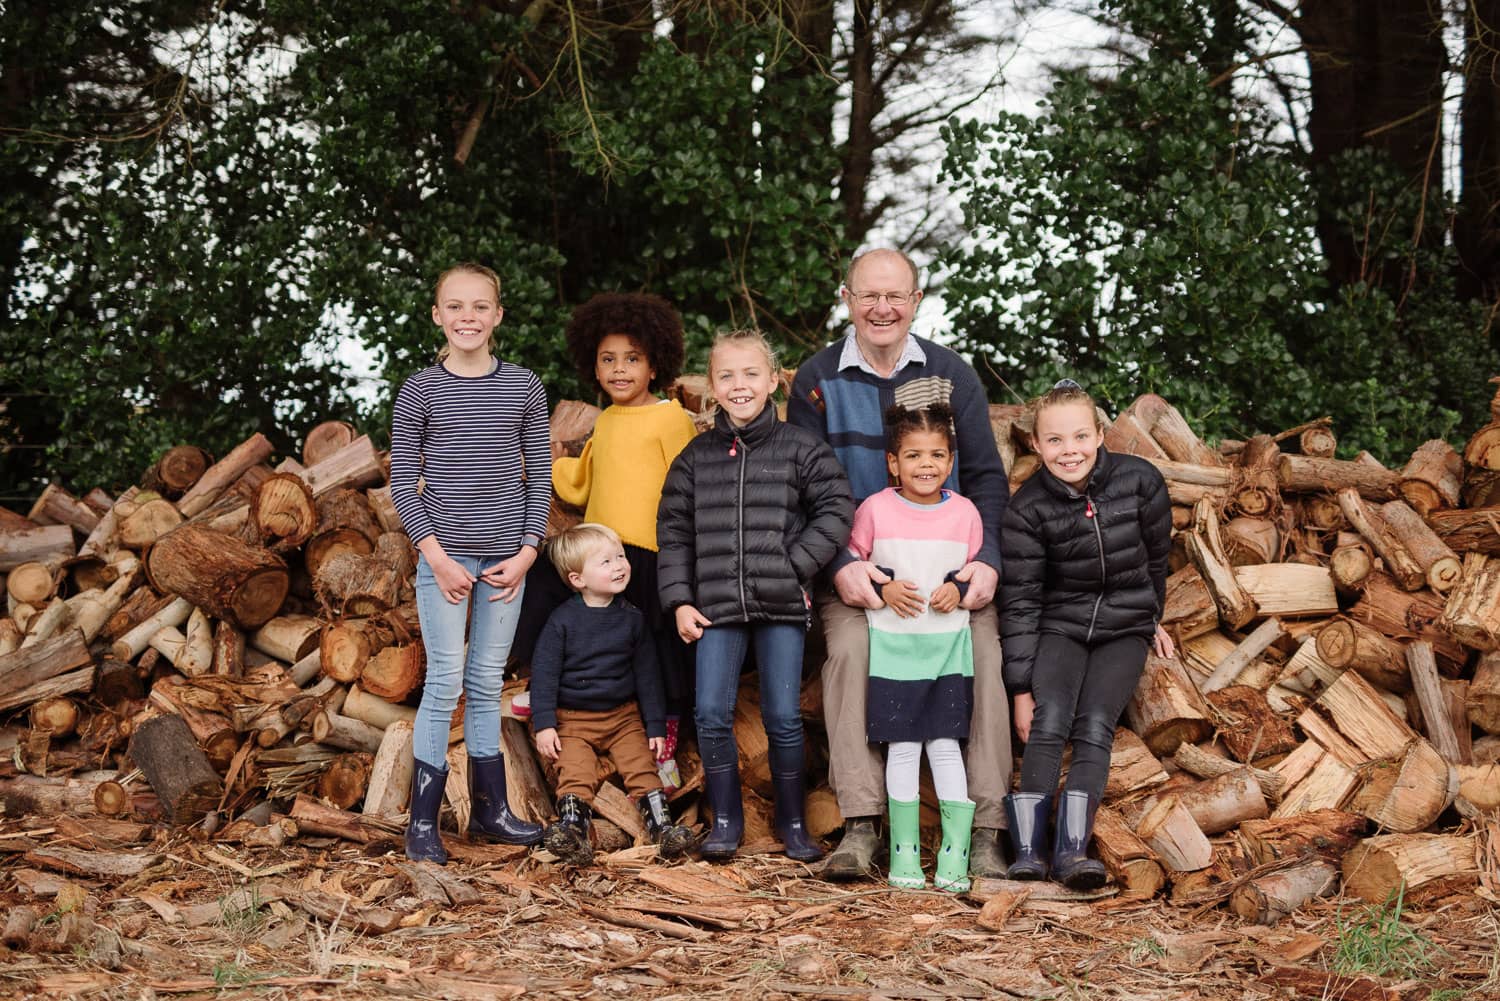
(617, 480)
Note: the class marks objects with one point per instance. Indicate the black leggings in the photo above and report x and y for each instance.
(1080, 692)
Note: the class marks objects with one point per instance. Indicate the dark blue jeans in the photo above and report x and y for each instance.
(721, 654)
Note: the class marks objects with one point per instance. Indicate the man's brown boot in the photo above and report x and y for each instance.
(855, 855)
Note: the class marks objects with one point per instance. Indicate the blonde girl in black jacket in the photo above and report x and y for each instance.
(750, 512)
(1084, 550)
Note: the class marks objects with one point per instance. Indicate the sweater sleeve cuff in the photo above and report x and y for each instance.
(542, 720)
(951, 577)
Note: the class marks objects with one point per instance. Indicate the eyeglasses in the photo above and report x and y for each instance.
(871, 298)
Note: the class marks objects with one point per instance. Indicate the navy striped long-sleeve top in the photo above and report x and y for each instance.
(479, 445)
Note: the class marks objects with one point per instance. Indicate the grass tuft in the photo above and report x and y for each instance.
(1374, 941)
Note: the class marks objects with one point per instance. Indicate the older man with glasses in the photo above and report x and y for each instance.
(842, 393)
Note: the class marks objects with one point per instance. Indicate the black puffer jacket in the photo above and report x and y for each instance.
(1087, 576)
(748, 517)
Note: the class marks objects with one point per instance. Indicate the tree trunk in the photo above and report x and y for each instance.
(1376, 77)
(1221, 804)
(1346, 644)
(1434, 702)
(50, 545)
(1306, 474)
(1403, 615)
(1376, 868)
(345, 525)
(1316, 779)
(1172, 833)
(1207, 765)
(1484, 693)
(1406, 793)
(1167, 709)
(220, 574)
(1473, 610)
(1268, 899)
(1370, 523)
(1439, 565)
(393, 672)
(1248, 727)
(1130, 862)
(164, 750)
(178, 469)
(324, 440)
(283, 512)
(251, 452)
(1258, 494)
(1431, 479)
(1328, 834)
(1473, 530)
(344, 781)
(1474, 234)
(390, 775)
(28, 666)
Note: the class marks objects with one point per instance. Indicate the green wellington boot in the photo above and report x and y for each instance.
(953, 858)
(906, 845)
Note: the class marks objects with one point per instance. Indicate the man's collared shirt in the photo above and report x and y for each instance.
(853, 357)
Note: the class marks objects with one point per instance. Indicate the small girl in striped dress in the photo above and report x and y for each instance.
(473, 430)
(921, 659)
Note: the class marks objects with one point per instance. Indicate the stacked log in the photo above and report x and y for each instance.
(243, 633)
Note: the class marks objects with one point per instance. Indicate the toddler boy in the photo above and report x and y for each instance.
(593, 677)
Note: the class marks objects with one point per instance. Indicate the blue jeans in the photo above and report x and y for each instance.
(778, 653)
(491, 628)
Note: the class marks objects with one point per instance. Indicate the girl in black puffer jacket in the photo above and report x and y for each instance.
(749, 514)
(1084, 567)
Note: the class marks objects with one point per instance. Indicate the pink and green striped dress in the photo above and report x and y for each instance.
(921, 669)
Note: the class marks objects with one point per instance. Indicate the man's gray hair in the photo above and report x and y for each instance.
(916, 277)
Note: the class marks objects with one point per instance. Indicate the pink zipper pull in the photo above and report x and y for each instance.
(1088, 511)
(734, 444)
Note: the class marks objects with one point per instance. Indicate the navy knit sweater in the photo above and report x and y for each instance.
(846, 409)
(596, 658)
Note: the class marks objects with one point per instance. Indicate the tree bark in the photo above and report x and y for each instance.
(1377, 867)
(1268, 899)
(164, 750)
(220, 574)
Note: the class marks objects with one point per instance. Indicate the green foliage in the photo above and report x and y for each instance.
(1373, 940)
(204, 280)
(1148, 233)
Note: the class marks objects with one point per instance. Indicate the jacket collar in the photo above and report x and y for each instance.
(752, 434)
(1104, 464)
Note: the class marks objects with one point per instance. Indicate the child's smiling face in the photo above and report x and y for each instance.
(624, 370)
(1067, 438)
(468, 312)
(743, 380)
(921, 465)
(604, 573)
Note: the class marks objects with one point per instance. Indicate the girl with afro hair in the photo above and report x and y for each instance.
(630, 344)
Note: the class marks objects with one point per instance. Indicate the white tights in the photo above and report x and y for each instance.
(903, 764)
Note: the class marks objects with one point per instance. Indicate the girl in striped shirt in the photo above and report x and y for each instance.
(471, 480)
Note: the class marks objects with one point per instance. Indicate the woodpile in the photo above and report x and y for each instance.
(233, 646)
(1338, 626)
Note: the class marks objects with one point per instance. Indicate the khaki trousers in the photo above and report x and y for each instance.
(855, 770)
(617, 733)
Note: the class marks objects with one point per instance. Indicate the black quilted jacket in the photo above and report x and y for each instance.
(748, 517)
(1088, 565)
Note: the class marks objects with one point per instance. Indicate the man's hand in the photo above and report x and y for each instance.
(853, 583)
(690, 623)
(945, 598)
(1023, 708)
(508, 575)
(982, 580)
(903, 598)
(547, 744)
